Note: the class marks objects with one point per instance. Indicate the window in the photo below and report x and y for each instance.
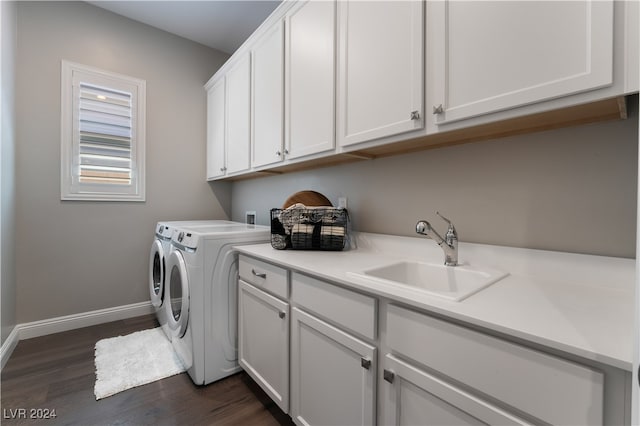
(103, 135)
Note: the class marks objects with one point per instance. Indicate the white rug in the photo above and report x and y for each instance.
(136, 359)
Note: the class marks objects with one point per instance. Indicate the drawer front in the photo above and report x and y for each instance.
(549, 388)
(353, 311)
(264, 275)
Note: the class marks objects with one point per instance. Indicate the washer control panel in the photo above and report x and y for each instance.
(185, 239)
(163, 231)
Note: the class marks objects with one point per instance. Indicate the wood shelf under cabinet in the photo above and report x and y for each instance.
(603, 110)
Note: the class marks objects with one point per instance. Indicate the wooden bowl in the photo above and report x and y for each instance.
(308, 198)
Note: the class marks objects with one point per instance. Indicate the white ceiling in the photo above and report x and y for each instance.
(220, 24)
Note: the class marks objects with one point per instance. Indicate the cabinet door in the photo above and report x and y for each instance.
(215, 130)
(263, 341)
(414, 397)
(267, 95)
(332, 374)
(380, 82)
(493, 55)
(310, 79)
(238, 122)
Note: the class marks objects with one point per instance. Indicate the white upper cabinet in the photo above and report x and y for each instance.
(490, 56)
(238, 123)
(363, 78)
(267, 97)
(380, 63)
(215, 130)
(310, 78)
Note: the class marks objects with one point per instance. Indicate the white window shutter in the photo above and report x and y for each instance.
(102, 135)
(105, 136)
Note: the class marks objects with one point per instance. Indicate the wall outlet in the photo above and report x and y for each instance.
(342, 202)
(250, 217)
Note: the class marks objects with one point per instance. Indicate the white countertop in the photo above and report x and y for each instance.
(580, 304)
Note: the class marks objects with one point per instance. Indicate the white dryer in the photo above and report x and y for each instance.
(202, 273)
(159, 254)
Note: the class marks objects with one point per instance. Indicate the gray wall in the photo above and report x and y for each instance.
(74, 256)
(572, 189)
(7, 168)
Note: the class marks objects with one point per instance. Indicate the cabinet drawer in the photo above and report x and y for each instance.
(264, 275)
(549, 388)
(349, 309)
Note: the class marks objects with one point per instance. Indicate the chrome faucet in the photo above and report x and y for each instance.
(449, 243)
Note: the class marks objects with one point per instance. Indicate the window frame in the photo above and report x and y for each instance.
(71, 189)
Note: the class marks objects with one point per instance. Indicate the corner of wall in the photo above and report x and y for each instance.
(8, 42)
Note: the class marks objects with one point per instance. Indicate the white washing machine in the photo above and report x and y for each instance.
(202, 273)
(160, 249)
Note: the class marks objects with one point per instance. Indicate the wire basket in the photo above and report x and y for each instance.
(309, 228)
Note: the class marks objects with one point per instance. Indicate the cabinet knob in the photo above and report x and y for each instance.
(223, 169)
(365, 363)
(389, 376)
(286, 152)
(278, 153)
(415, 115)
(282, 314)
(438, 109)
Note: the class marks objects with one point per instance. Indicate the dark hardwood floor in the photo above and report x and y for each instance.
(57, 372)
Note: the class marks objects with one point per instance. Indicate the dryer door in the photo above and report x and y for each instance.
(156, 273)
(177, 293)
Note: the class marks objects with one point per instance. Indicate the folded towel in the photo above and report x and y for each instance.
(332, 237)
(302, 229)
(299, 213)
(278, 241)
(329, 230)
(294, 214)
(302, 237)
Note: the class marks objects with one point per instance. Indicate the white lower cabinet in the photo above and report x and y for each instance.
(263, 341)
(544, 388)
(313, 347)
(333, 374)
(414, 397)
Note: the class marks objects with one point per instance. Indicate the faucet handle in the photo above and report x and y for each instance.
(451, 227)
(444, 218)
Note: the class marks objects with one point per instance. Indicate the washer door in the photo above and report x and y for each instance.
(177, 294)
(156, 273)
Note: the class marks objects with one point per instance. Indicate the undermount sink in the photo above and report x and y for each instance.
(450, 282)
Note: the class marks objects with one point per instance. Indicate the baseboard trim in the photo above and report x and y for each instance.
(69, 322)
(84, 319)
(8, 346)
